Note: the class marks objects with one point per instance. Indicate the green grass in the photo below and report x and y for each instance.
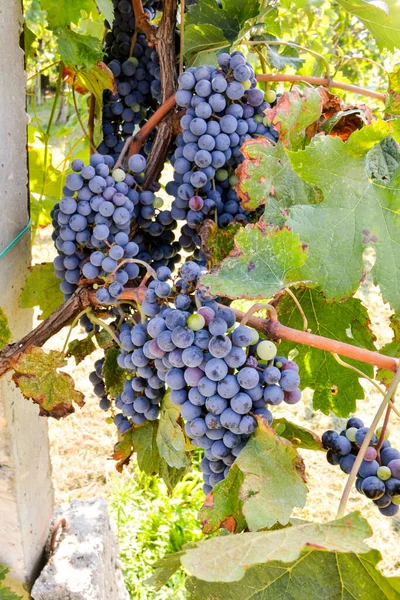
(151, 523)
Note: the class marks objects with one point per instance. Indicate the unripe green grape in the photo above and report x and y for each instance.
(246, 84)
(233, 180)
(266, 121)
(258, 119)
(118, 175)
(378, 433)
(266, 350)
(221, 175)
(270, 96)
(158, 202)
(384, 473)
(136, 108)
(134, 61)
(351, 434)
(396, 499)
(196, 322)
(255, 337)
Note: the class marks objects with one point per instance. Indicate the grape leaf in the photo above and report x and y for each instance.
(297, 435)
(283, 545)
(103, 338)
(382, 19)
(393, 98)
(65, 12)
(79, 349)
(264, 261)
(164, 569)
(42, 289)
(37, 376)
(356, 214)
(216, 243)
(144, 441)
(79, 50)
(5, 332)
(5, 592)
(281, 61)
(124, 450)
(224, 503)
(266, 170)
(211, 26)
(107, 9)
(336, 388)
(273, 479)
(114, 376)
(94, 80)
(170, 437)
(390, 349)
(293, 113)
(383, 160)
(314, 575)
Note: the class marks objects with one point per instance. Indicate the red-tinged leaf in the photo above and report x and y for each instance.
(38, 377)
(293, 113)
(123, 451)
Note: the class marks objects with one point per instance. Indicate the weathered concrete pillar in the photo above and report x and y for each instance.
(26, 495)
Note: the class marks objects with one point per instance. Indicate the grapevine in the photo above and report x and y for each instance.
(258, 208)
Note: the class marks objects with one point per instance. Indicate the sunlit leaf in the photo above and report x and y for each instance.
(42, 289)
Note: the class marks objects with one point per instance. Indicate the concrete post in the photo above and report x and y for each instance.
(26, 495)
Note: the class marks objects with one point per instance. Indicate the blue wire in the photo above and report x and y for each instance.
(15, 241)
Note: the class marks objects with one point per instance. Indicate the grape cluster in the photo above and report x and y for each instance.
(378, 477)
(136, 70)
(224, 109)
(221, 376)
(97, 380)
(92, 226)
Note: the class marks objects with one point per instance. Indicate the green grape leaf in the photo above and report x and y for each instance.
(103, 338)
(145, 445)
(390, 349)
(223, 506)
(283, 545)
(382, 19)
(356, 213)
(170, 437)
(114, 376)
(217, 243)
(264, 261)
(393, 98)
(383, 160)
(107, 9)
(273, 479)
(144, 440)
(281, 61)
(210, 26)
(65, 12)
(203, 38)
(5, 592)
(314, 575)
(164, 569)
(267, 170)
(29, 39)
(5, 332)
(79, 50)
(293, 113)
(336, 388)
(42, 289)
(297, 435)
(37, 376)
(80, 349)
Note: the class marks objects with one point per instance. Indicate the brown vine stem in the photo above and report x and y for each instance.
(85, 297)
(360, 456)
(134, 143)
(182, 36)
(142, 21)
(384, 427)
(325, 81)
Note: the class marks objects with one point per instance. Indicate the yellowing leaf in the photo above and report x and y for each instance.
(37, 376)
(42, 289)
